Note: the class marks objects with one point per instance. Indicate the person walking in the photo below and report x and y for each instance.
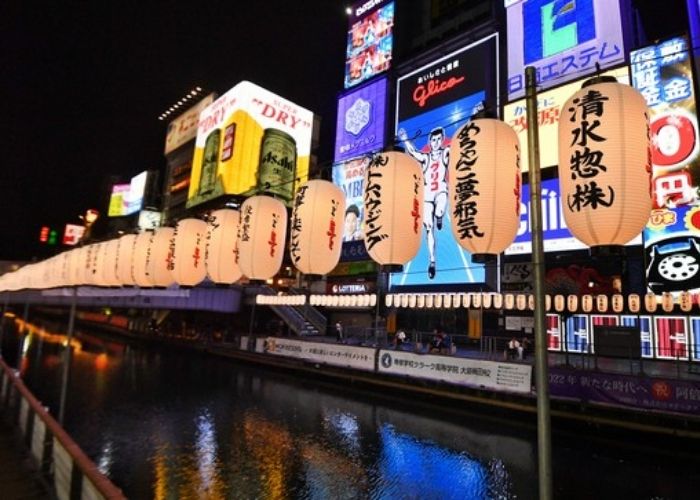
(339, 331)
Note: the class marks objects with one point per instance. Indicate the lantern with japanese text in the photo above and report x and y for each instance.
(222, 234)
(187, 252)
(141, 258)
(125, 253)
(484, 187)
(315, 239)
(159, 259)
(393, 201)
(605, 164)
(109, 263)
(261, 237)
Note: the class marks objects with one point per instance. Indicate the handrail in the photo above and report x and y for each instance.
(87, 467)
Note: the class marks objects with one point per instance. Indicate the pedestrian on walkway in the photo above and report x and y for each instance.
(339, 331)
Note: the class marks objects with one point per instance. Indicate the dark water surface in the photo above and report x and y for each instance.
(165, 424)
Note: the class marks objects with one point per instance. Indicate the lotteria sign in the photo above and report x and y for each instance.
(556, 234)
(563, 40)
(361, 121)
(432, 102)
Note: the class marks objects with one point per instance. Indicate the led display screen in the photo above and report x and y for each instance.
(350, 177)
(562, 39)
(549, 104)
(361, 121)
(118, 200)
(433, 101)
(370, 40)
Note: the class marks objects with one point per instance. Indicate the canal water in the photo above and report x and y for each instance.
(165, 424)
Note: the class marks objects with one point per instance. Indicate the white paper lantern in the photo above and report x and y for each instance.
(547, 302)
(667, 302)
(587, 303)
(220, 250)
(572, 303)
(466, 300)
(389, 300)
(438, 300)
(559, 303)
(159, 261)
(315, 239)
(602, 303)
(509, 301)
(604, 164)
(189, 239)
(685, 300)
(419, 300)
(261, 237)
(140, 258)
(125, 252)
(650, 302)
(633, 303)
(109, 263)
(498, 300)
(484, 186)
(393, 200)
(618, 303)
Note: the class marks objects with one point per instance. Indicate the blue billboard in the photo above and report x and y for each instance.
(434, 101)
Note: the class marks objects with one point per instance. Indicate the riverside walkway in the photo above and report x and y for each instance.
(19, 479)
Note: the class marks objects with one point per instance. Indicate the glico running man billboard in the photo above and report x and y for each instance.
(433, 101)
(370, 40)
(562, 39)
(250, 140)
(361, 121)
(663, 74)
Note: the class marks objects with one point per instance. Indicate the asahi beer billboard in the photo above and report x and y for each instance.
(184, 128)
(250, 141)
(361, 121)
(370, 40)
(433, 101)
(562, 40)
(663, 74)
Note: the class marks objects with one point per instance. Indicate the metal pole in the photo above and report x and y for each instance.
(544, 444)
(21, 335)
(67, 357)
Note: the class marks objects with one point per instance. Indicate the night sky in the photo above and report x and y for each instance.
(83, 88)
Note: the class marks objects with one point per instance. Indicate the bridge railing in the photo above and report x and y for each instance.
(59, 459)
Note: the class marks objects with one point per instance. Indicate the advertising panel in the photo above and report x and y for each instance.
(433, 101)
(370, 40)
(350, 177)
(548, 105)
(509, 377)
(361, 121)
(184, 128)
(663, 74)
(250, 140)
(556, 234)
(72, 234)
(563, 40)
(137, 190)
(359, 358)
(118, 200)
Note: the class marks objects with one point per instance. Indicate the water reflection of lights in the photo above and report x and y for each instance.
(272, 446)
(47, 336)
(345, 425)
(206, 449)
(104, 461)
(101, 362)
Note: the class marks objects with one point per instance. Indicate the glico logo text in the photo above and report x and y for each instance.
(553, 26)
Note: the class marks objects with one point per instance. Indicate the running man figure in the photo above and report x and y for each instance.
(434, 165)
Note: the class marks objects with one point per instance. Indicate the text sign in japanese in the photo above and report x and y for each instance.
(549, 105)
(507, 377)
(562, 40)
(361, 121)
(359, 358)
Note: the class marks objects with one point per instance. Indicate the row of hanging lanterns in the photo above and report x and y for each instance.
(605, 178)
(362, 300)
(617, 303)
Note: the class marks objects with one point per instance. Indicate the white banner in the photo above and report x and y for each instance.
(508, 377)
(359, 358)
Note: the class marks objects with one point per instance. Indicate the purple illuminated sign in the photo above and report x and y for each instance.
(361, 118)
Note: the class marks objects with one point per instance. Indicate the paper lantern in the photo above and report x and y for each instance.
(587, 303)
(404, 300)
(315, 239)
(420, 300)
(667, 302)
(389, 300)
(602, 303)
(650, 302)
(261, 237)
(125, 252)
(572, 303)
(484, 187)
(188, 241)
(559, 303)
(498, 300)
(547, 302)
(633, 302)
(158, 264)
(486, 300)
(685, 300)
(393, 200)
(438, 300)
(618, 303)
(220, 250)
(140, 257)
(109, 263)
(605, 164)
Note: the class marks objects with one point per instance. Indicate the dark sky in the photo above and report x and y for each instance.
(83, 86)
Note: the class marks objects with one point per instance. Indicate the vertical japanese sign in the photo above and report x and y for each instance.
(432, 103)
(563, 40)
(663, 74)
(370, 40)
(361, 121)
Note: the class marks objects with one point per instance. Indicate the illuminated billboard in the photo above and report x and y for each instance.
(248, 141)
(350, 177)
(563, 40)
(432, 102)
(663, 74)
(549, 104)
(361, 121)
(555, 233)
(72, 234)
(184, 128)
(127, 199)
(370, 40)
(118, 200)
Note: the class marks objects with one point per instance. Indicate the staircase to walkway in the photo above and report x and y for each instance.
(302, 320)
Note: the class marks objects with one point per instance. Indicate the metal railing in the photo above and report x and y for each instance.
(59, 459)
